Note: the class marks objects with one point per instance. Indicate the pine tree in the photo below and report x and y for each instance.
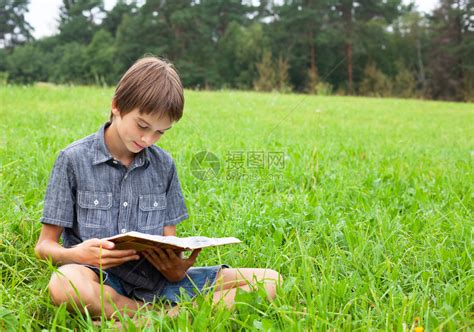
(353, 15)
(451, 64)
(282, 78)
(14, 29)
(375, 83)
(266, 73)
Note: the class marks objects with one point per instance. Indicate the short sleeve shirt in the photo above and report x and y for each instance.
(92, 195)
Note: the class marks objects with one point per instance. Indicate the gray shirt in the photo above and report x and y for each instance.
(92, 195)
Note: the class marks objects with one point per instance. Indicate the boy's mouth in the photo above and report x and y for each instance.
(138, 145)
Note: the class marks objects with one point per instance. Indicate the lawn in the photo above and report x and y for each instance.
(365, 206)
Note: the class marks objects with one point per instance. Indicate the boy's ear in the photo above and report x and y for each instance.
(115, 110)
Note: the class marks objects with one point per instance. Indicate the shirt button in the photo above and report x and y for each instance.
(96, 202)
(123, 230)
(125, 204)
(155, 204)
(115, 162)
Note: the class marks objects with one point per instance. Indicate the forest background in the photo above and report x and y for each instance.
(343, 47)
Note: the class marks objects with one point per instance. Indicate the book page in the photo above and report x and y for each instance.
(141, 241)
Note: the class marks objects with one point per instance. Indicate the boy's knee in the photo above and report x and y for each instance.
(59, 285)
(273, 279)
(66, 283)
(272, 275)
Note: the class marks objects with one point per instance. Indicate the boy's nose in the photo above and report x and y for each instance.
(148, 139)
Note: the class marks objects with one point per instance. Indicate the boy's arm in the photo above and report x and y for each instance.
(169, 230)
(48, 245)
(58, 213)
(93, 252)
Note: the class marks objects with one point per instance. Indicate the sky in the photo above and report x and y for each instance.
(43, 14)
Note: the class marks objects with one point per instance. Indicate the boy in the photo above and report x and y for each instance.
(117, 180)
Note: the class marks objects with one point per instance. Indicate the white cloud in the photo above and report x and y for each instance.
(43, 16)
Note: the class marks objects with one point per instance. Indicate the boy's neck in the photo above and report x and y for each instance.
(115, 146)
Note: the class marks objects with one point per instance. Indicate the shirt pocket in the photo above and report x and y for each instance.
(152, 213)
(95, 209)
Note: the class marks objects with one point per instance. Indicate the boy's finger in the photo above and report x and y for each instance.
(194, 255)
(118, 253)
(117, 261)
(106, 244)
(155, 262)
(192, 258)
(93, 243)
(161, 254)
(171, 254)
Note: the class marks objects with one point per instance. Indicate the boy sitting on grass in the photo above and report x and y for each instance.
(116, 181)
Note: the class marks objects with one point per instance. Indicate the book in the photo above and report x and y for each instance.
(141, 241)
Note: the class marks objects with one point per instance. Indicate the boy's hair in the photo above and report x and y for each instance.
(153, 86)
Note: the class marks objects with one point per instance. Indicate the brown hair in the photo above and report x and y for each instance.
(153, 86)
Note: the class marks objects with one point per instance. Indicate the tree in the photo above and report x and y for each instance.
(14, 29)
(116, 15)
(207, 25)
(79, 20)
(71, 66)
(412, 45)
(375, 83)
(266, 73)
(240, 49)
(25, 65)
(282, 79)
(451, 64)
(100, 58)
(354, 14)
(365, 46)
(272, 74)
(137, 35)
(405, 84)
(304, 27)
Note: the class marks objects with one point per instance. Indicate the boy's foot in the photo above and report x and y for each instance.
(173, 311)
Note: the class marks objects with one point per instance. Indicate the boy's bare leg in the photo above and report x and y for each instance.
(229, 280)
(87, 284)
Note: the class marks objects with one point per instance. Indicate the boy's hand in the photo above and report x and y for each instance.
(96, 252)
(170, 264)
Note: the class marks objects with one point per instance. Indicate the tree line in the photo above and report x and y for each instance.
(364, 47)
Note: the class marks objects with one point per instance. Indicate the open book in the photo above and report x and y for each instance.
(140, 241)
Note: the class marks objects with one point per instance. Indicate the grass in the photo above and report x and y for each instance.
(369, 219)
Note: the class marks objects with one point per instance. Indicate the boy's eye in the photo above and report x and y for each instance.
(145, 127)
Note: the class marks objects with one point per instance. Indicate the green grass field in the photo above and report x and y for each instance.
(365, 206)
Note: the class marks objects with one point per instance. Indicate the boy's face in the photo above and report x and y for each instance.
(138, 131)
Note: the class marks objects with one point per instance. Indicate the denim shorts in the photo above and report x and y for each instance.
(198, 280)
